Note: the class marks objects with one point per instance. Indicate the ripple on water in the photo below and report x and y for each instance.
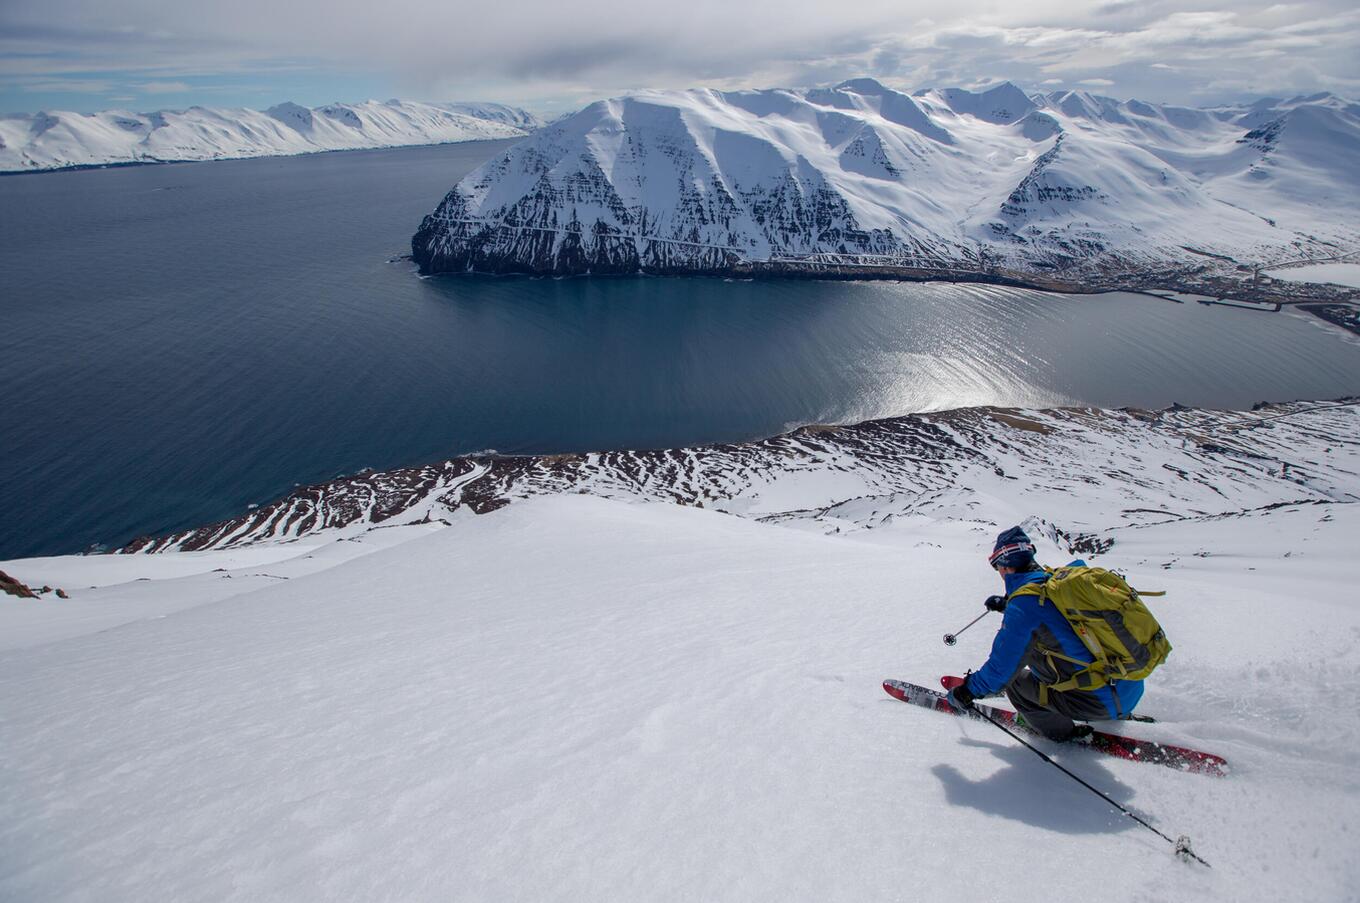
(172, 356)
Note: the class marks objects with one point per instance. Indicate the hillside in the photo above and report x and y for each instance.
(577, 697)
(53, 140)
(858, 179)
(1179, 462)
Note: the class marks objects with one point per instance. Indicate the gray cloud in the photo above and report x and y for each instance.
(537, 52)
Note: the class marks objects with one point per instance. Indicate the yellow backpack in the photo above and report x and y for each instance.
(1107, 615)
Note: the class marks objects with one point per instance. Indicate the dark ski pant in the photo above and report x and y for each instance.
(1057, 720)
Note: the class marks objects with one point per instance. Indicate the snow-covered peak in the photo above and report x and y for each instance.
(897, 108)
(987, 184)
(50, 140)
(1085, 105)
(295, 115)
(869, 86)
(1001, 104)
(1039, 126)
(496, 112)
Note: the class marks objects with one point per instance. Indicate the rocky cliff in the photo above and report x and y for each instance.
(974, 184)
(1127, 466)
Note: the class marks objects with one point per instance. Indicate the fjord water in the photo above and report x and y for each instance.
(182, 341)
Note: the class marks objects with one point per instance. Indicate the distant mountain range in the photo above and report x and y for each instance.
(996, 183)
(55, 140)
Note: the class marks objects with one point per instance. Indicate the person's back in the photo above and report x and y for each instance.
(1036, 648)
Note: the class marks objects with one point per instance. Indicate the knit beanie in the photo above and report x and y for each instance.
(1012, 550)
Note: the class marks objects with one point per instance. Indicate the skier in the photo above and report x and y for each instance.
(1031, 652)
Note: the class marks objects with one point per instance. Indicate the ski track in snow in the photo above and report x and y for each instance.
(582, 697)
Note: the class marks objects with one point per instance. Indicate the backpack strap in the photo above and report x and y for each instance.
(1090, 676)
(1029, 589)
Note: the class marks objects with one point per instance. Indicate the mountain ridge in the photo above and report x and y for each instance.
(1189, 462)
(1039, 189)
(47, 141)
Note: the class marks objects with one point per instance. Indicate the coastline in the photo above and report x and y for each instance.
(124, 164)
(909, 454)
(1247, 293)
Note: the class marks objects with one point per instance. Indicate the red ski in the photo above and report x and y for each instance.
(1177, 757)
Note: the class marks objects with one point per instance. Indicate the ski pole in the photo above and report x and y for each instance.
(952, 638)
(1181, 844)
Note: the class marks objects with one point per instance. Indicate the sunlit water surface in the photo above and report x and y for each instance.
(181, 341)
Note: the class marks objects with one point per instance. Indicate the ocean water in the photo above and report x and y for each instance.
(182, 341)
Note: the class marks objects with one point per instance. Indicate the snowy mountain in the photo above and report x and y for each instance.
(624, 695)
(496, 112)
(1157, 465)
(951, 182)
(52, 140)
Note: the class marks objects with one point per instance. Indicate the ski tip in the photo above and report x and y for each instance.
(893, 689)
(1210, 764)
(949, 681)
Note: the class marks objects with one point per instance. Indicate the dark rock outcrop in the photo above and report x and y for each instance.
(14, 588)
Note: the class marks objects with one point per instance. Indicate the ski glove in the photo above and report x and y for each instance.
(995, 603)
(960, 697)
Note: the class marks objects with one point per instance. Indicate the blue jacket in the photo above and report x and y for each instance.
(1027, 623)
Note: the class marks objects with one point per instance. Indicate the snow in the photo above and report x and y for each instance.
(55, 139)
(519, 118)
(131, 588)
(1335, 273)
(575, 697)
(776, 174)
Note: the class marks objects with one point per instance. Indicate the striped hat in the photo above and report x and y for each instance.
(1012, 550)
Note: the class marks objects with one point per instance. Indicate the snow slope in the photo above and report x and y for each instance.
(575, 697)
(496, 112)
(57, 139)
(948, 181)
(1178, 462)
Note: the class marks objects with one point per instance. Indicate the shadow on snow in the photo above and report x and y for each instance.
(1031, 791)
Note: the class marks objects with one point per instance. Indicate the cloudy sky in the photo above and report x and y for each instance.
(552, 56)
